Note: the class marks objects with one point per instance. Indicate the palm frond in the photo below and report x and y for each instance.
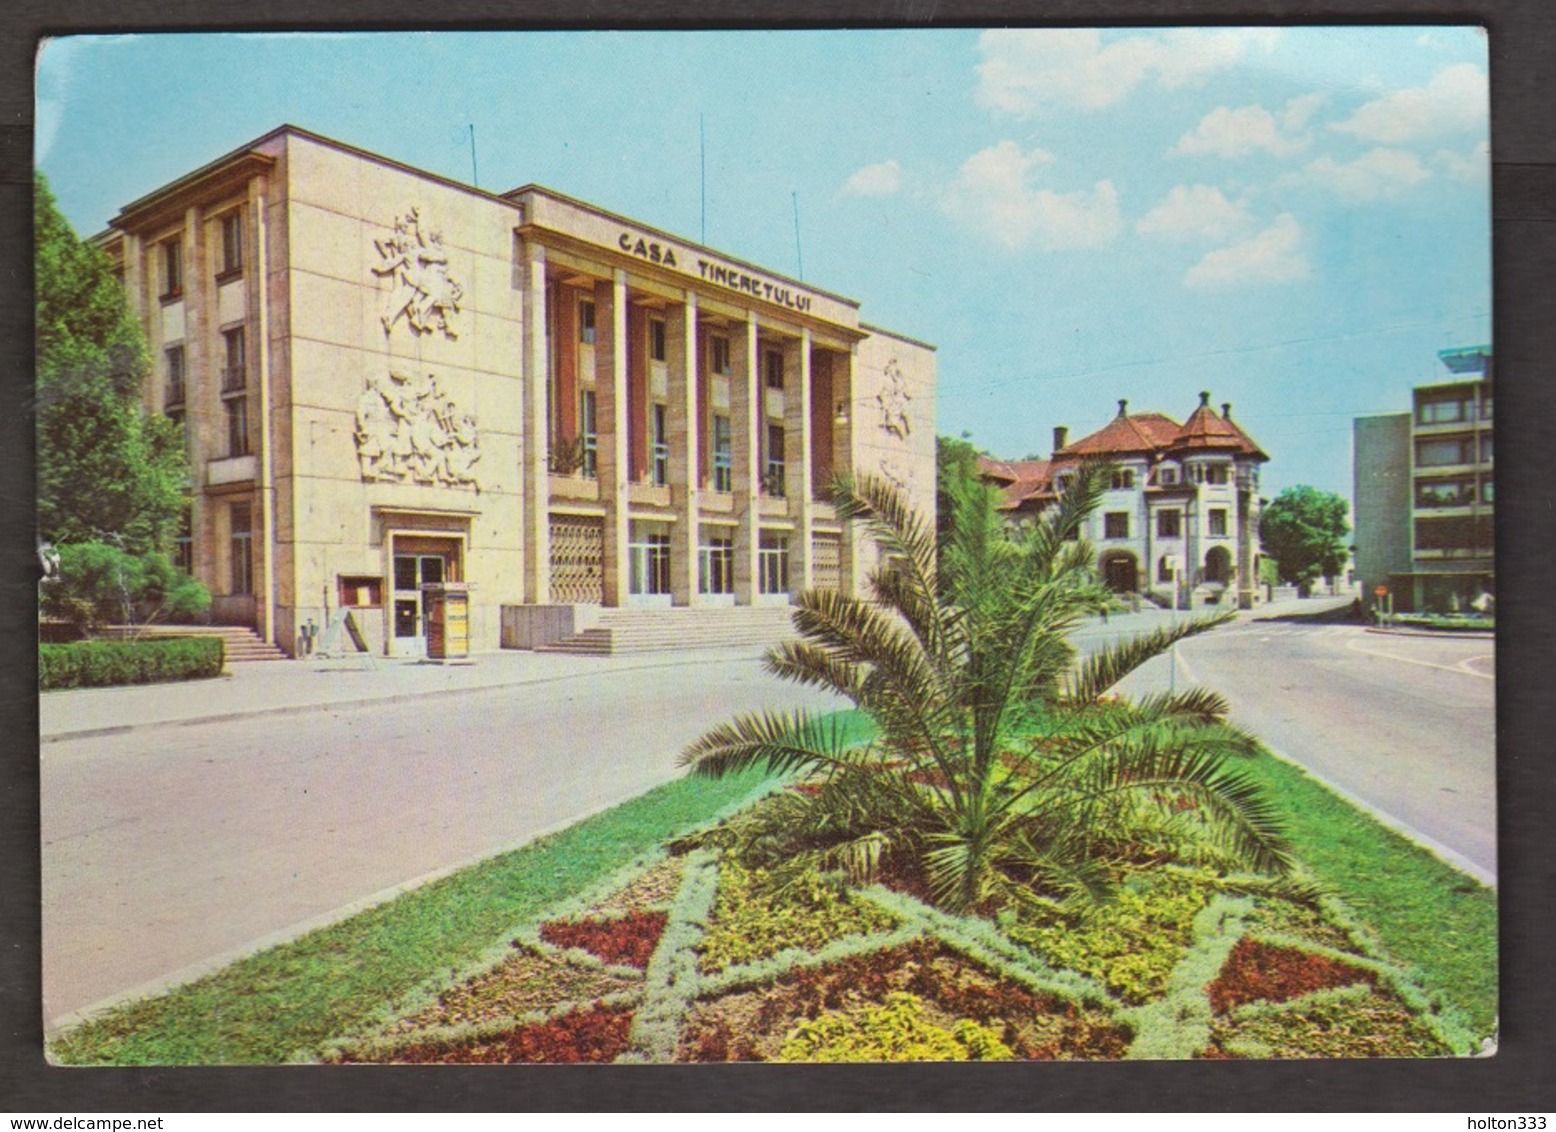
(1108, 666)
(781, 742)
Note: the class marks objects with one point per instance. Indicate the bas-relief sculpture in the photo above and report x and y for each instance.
(893, 400)
(416, 264)
(408, 431)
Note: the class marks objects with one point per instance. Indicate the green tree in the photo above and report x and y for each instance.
(100, 585)
(1304, 530)
(956, 463)
(107, 470)
(1003, 772)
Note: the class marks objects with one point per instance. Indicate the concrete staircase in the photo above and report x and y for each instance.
(621, 631)
(240, 643)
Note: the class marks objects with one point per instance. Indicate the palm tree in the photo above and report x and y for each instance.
(1001, 772)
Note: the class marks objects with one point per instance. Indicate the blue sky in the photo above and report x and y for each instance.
(1294, 219)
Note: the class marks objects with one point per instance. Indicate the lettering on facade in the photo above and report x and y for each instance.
(894, 399)
(416, 264)
(648, 249)
(409, 431)
(737, 280)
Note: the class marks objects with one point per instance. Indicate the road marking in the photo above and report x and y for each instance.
(1464, 665)
(1355, 646)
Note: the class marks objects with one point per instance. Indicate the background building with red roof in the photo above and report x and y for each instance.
(1182, 511)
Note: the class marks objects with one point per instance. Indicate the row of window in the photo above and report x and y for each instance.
(1461, 492)
(1123, 479)
(1453, 410)
(231, 263)
(718, 346)
(649, 572)
(722, 476)
(1441, 452)
(1169, 524)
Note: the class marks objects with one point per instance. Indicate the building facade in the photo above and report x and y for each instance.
(389, 379)
(1424, 491)
(1182, 512)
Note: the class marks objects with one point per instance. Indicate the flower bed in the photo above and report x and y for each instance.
(1262, 971)
(706, 957)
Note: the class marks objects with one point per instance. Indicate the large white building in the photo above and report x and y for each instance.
(1182, 511)
(391, 380)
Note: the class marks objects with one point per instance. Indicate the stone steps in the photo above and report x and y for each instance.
(240, 644)
(661, 630)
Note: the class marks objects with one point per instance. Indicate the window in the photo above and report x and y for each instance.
(659, 437)
(183, 542)
(1444, 410)
(723, 456)
(1452, 450)
(1217, 522)
(716, 565)
(172, 269)
(173, 364)
(656, 339)
(773, 564)
(240, 523)
(236, 410)
(1485, 408)
(1123, 480)
(234, 372)
(1167, 476)
(1445, 493)
(772, 482)
(1164, 567)
(588, 430)
(1216, 473)
(1465, 533)
(1115, 524)
(232, 245)
(718, 353)
(650, 562)
(1168, 524)
(772, 369)
(586, 321)
(1485, 492)
(1485, 449)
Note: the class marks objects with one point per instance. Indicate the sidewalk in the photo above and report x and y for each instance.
(300, 685)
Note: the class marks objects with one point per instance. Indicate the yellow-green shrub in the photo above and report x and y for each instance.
(1131, 943)
(756, 916)
(896, 1030)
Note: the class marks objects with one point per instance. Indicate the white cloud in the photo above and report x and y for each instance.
(879, 180)
(1473, 166)
(1194, 212)
(1296, 113)
(1274, 255)
(1453, 101)
(1376, 175)
(993, 194)
(1025, 70)
(1225, 132)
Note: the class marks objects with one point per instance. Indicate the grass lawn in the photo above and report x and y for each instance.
(1422, 910)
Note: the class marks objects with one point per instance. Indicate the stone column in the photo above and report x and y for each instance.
(844, 370)
(797, 471)
(536, 531)
(610, 382)
(745, 403)
(682, 363)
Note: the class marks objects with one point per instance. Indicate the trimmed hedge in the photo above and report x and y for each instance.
(101, 664)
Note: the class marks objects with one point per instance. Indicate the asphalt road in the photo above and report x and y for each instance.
(1404, 724)
(171, 846)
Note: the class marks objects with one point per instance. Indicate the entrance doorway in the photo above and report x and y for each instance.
(1119, 573)
(418, 561)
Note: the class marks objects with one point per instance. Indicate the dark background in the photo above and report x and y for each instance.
(1518, 1079)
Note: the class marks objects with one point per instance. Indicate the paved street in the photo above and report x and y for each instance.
(171, 845)
(1405, 724)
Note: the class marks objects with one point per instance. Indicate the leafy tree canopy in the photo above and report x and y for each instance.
(107, 471)
(1304, 530)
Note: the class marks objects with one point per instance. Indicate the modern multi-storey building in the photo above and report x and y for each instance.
(1424, 493)
(391, 380)
(1182, 513)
